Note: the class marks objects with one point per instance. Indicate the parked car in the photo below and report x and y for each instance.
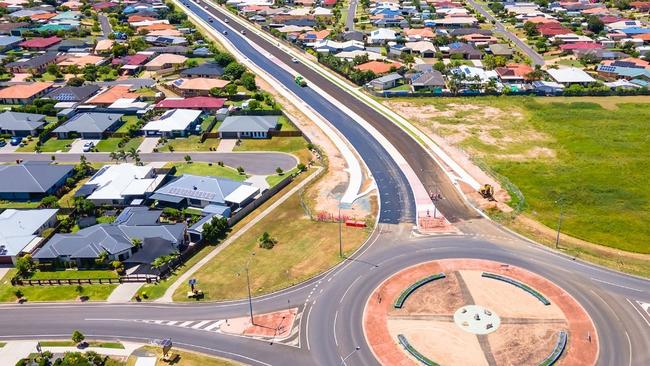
(243, 31)
(88, 146)
(294, 60)
(225, 32)
(15, 140)
(3, 143)
(226, 20)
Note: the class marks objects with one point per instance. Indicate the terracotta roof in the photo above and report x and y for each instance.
(167, 58)
(199, 83)
(519, 70)
(191, 103)
(139, 18)
(378, 67)
(82, 60)
(315, 35)
(640, 4)
(43, 16)
(112, 94)
(155, 27)
(644, 36)
(40, 42)
(422, 32)
(24, 91)
(104, 45)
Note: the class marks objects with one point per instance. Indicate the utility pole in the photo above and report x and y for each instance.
(559, 224)
(248, 285)
(340, 233)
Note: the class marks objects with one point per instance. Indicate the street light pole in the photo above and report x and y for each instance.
(340, 233)
(559, 226)
(348, 356)
(248, 286)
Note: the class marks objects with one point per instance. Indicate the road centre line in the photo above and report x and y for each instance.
(613, 284)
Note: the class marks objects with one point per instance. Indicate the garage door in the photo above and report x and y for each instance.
(5, 259)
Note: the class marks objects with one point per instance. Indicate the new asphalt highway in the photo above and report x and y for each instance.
(332, 304)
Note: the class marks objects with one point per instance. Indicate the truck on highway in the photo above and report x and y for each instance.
(301, 81)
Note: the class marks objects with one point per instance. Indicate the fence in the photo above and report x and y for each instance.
(281, 133)
(84, 281)
(256, 112)
(258, 202)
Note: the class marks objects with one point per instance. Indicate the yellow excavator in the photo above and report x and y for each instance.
(487, 192)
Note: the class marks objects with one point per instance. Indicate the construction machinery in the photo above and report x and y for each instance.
(487, 192)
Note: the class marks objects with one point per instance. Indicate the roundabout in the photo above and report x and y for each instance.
(478, 312)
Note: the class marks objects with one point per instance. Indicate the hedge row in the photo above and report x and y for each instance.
(406, 293)
(414, 352)
(557, 351)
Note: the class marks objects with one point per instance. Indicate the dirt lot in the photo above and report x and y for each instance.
(438, 297)
(515, 344)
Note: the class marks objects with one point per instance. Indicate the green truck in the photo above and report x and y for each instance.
(301, 81)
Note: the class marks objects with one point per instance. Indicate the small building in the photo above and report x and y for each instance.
(431, 80)
(32, 180)
(570, 75)
(24, 93)
(385, 82)
(165, 61)
(206, 70)
(257, 127)
(74, 93)
(114, 239)
(121, 184)
(378, 67)
(89, 125)
(40, 43)
(501, 49)
(21, 230)
(21, 124)
(37, 63)
(196, 86)
(210, 194)
(174, 123)
(548, 87)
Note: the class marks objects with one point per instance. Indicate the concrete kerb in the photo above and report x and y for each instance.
(354, 166)
(423, 201)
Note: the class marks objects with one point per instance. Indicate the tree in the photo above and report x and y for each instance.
(531, 29)
(223, 58)
(594, 24)
(188, 159)
(248, 81)
(266, 241)
(137, 242)
(134, 154)
(114, 156)
(25, 266)
(77, 337)
(164, 260)
(301, 167)
(50, 202)
(119, 49)
(240, 170)
(233, 71)
(230, 89)
(122, 155)
(279, 171)
(214, 230)
(191, 62)
(102, 258)
(84, 206)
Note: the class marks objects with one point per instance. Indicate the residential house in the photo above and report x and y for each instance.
(196, 86)
(82, 61)
(165, 61)
(24, 93)
(166, 40)
(75, 94)
(9, 42)
(116, 240)
(21, 230)
(132, 64)
(21, 124)
(570, 75)
(206, 104)
(385, 82)
(330, 46)
(32, 180)
(8, 27)
(72, 45)
(112, 94)
(212, 195)
(40, 43)
(431, 80)
(381, 36)
(465, 50)
(514, 72)
(452, 22)
(174, 50)
(37, 63)
(501, 49)
(206, 70)
(424, 49)
(478, 39)
(104, 46)
(121, 184)
(174, 123)
(378, 67)
(547, 87)
(256, 127)
(89, 125)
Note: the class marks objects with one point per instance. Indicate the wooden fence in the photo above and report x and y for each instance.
(84, 281)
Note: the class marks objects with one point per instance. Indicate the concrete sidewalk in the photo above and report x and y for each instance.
(124, 292)
(182, 279)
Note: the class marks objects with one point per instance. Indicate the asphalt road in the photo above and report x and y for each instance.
(105, 25)
(536, 58)
(352, 11)
(332, 303)
(262, 163)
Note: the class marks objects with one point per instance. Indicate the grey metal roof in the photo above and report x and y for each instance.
(429, 78)
(89, 123)
(209, 189)
(73, 93)
(16, 121)
(248, 123)
(138, 216)
(8, 40)
(388, 78)
(208, 68)
(112, 238)
(36, 61)
(31, 177)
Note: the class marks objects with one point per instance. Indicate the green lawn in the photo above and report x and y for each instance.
(113, 345)
(277, 178)
(40, 275)
(283, 144)
(54, 144)
(191, 143)
(51, 293)
(304, 248)
(111, 144)
(18, 204)
(206, 122)
(286, 125)
(205, 169)
(128, 122)
(593, 158)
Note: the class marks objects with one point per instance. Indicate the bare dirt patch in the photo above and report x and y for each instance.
(438, 297)
(529, 344)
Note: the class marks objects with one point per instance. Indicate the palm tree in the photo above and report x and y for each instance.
(114, 156)
(134, 154)
(122, 155)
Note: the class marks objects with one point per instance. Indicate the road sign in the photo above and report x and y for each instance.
(38, 347)
(192, 281)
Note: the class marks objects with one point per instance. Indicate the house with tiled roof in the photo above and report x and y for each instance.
(514, 72)
(112, 94)
(208, 104)
(74, 94)
(38, 63)
(40, 43)
(165, 61)
(192, 87)
(24, 93)
(378, 67)
(82, 60)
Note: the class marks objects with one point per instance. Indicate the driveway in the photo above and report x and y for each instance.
(77, 146)
(226, 145)
(255, 163)
(8, 148)
(148, 144)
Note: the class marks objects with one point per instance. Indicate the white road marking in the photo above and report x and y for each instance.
(213, 325)
(200, 324)
(336, 341)
(613, 284)
(172, 322)
(629, 343)
(640, 313)
(185, 324)
(348, 289)
(307, 328)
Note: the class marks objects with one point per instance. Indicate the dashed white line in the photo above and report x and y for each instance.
(200, 324)
(336, 341)
(629, 343)
(613, 284)
(185, 324)
(638, 311)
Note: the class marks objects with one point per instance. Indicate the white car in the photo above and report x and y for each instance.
(88, 146)
(294, 60)
(226, 20)
(243, 31)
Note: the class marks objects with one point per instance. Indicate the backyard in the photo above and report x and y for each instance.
(190, 143)
(293, 145)
(587, 155)
(52, 293)
(207, 169)
(112, 144)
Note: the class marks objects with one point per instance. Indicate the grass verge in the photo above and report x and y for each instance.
(207, 169)
(52, 293)
(186, 358)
